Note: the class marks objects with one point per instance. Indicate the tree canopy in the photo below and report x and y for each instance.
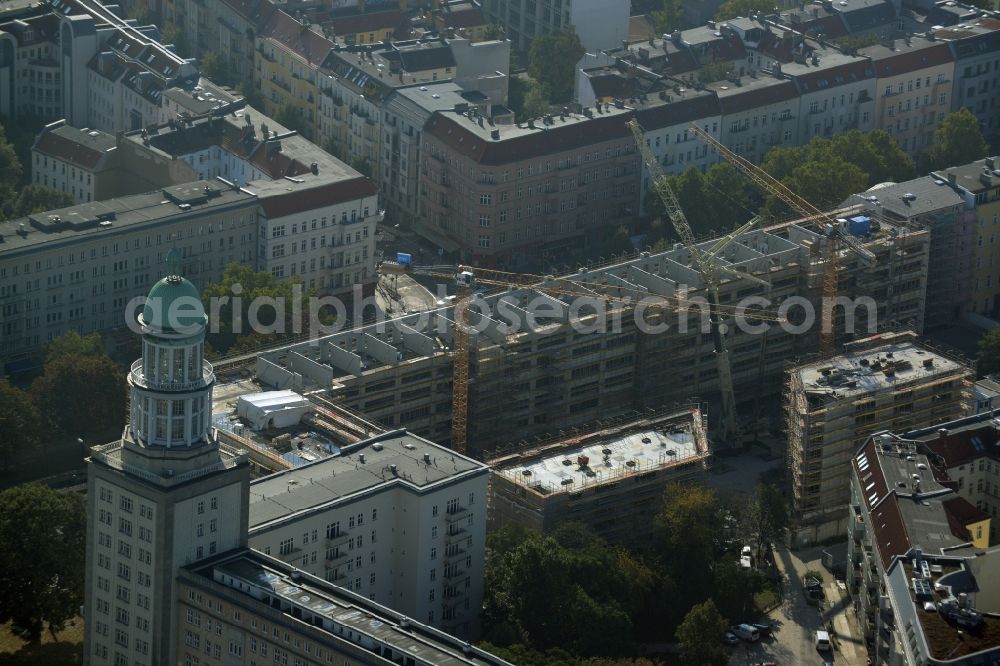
(989, 351)
(42, 542)
(277, 318)
(552, 62)
(566, 590)
(20, 424)
(37, 199)
(730, 9)
(671, 17)
(700, 636)
(72, 343)
(958, 140)
(64, 394)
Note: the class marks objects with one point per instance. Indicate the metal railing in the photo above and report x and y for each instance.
(139, 377)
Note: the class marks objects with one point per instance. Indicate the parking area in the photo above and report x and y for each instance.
(796, 621)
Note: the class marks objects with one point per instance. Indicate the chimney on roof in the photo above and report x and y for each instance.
(942, 433)
(531, 123)
(495, 135)
(314, 168)
(952, 178)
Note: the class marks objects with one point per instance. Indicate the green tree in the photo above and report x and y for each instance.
(279, 319)
(730, 9)
(552, 62)
(291, 117)
(618, 242)
(10, 169)
(38, 199)
(766, 516)
(72, 343)
(64, 394)
(714, 71)
(671, 17)
(686, 540)
(536, 103)
(215, 68)
(700, 636)
(566, 590)
(733, 588)
(20, 424)
(42, 542)
(958, 140)
(989, 351)
(493, 32)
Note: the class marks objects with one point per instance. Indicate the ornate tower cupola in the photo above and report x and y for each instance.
(171, 385)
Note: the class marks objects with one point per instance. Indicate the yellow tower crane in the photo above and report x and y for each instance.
(710, 266)
(832, 231)
(466, 278)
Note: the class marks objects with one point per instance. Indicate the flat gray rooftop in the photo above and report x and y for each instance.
(864, 372)
(325, 482)
(82, 220)
(248, 573)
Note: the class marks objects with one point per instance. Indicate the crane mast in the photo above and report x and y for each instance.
(707, 267)
(832, 231)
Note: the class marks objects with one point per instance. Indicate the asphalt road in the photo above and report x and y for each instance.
(794, 641)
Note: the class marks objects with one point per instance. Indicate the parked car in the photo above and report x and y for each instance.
(747, 632)
(823, 641)
(730, 638)
(746, 552)
(745, 562)
(764, 629)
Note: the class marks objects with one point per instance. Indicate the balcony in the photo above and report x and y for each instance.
(451, 515)
(138, 377)
(339, 538)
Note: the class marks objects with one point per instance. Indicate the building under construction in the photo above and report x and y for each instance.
(578, 364)
(611, 479)
(885, 382)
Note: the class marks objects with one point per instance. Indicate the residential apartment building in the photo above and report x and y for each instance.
(499, 194)
(396, 519)
(915, 540)
(356, 83)
(948, 213)
(460, 18)
(666, 123)
(567, 366)
(979, 184)
(967, 450)
(78, 268)
(986, 394)
(246, 607)
(914, 80)
(975, 46)
(405, 113)
(757, 114)
(74, 161)
(289, 53)
(600, 24)
(165, 495)
(833, 405)
(611, 479)
(318, 215)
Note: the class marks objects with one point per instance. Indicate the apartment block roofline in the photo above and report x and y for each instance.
(251, 576)
(395, 458)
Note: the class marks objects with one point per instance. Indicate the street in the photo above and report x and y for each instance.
(794, 641)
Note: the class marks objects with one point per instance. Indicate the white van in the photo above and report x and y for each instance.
(747, 632)
(822, 640)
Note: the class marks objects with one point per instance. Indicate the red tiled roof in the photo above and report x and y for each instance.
(296, 37)
(549, 141)
(678, 111)
(849, 72)
(911, 59)
(256, 12)
(298, 200)
(757, 96)
(367, 22)
(961, 513)
(68, 150)
(889, 530)
(960, 448)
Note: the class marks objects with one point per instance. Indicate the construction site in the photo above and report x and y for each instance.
(574, 365)
(885, 382)
(581, 477)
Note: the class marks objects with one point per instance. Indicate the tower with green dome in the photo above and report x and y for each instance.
(166, 494)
